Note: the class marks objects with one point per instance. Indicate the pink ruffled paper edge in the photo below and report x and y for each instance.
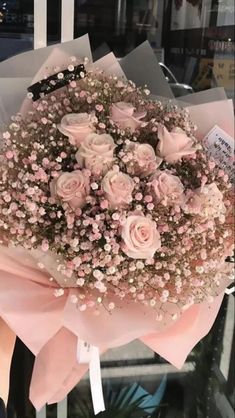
(51, 326)
(207, 115)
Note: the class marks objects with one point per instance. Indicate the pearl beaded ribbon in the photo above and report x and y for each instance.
(56, 81)
(89, 354)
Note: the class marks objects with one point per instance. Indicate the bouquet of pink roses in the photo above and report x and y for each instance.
(115, 204)
(118, 190)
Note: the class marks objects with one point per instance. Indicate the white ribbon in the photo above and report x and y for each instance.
(89, 354)
(230, 290)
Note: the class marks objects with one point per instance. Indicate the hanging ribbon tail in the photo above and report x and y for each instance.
(230, 290)
(90, 354)
(75, 375)
(96, 381)
(7, 343)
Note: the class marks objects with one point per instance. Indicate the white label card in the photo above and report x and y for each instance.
(220, 147)
(84, 352)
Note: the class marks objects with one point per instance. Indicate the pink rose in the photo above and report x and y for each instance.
(96, 153)
(167, 188)
(72, 188)
(206, 201)
(173, 145)
(76, 126)
(125, 117)
(143, 160)
(118, 188)
(141, 238)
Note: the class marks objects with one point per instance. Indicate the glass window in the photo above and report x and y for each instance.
(16, 27)
(194, 43)
(194, 39)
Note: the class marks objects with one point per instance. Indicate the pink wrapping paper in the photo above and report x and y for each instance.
(207, 115)
(51, 326)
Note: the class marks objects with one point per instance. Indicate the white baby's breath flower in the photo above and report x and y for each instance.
(58, 292)
(74, 299)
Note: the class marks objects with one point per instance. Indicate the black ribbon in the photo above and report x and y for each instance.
(55, 82)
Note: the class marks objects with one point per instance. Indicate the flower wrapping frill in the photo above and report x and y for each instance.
(51, 327)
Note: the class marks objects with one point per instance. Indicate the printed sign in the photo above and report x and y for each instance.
(221, 148)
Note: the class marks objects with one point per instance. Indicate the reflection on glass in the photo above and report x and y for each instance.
(16, 27)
